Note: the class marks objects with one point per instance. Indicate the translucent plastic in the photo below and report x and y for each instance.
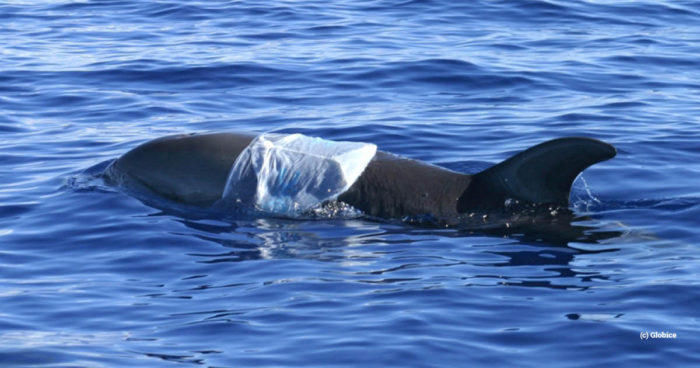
(289, 174)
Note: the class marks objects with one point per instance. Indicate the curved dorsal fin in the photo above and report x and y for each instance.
(541, 174)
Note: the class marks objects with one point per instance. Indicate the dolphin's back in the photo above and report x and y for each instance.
(394, 187)
(191, 169)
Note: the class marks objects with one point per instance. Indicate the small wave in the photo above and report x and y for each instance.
(90, 179)
(654, 61)
(449, 74)
(193, 76)
(11, 128)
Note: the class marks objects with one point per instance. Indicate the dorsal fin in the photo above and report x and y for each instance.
(541, 174)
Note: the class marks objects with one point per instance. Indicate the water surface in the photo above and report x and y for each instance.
(91, 276)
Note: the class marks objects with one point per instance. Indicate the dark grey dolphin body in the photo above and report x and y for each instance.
(193, 169)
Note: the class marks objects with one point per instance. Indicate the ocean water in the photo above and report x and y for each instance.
(91, 276)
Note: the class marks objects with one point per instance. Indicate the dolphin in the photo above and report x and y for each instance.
(193, 169)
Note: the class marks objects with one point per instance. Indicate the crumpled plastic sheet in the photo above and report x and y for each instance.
(292, 173)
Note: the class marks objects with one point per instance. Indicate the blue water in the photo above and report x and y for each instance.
(92, 277)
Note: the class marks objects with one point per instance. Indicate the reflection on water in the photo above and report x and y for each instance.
(539, 252)
(282, 238)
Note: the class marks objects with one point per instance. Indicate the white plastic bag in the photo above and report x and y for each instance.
(289, 174)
